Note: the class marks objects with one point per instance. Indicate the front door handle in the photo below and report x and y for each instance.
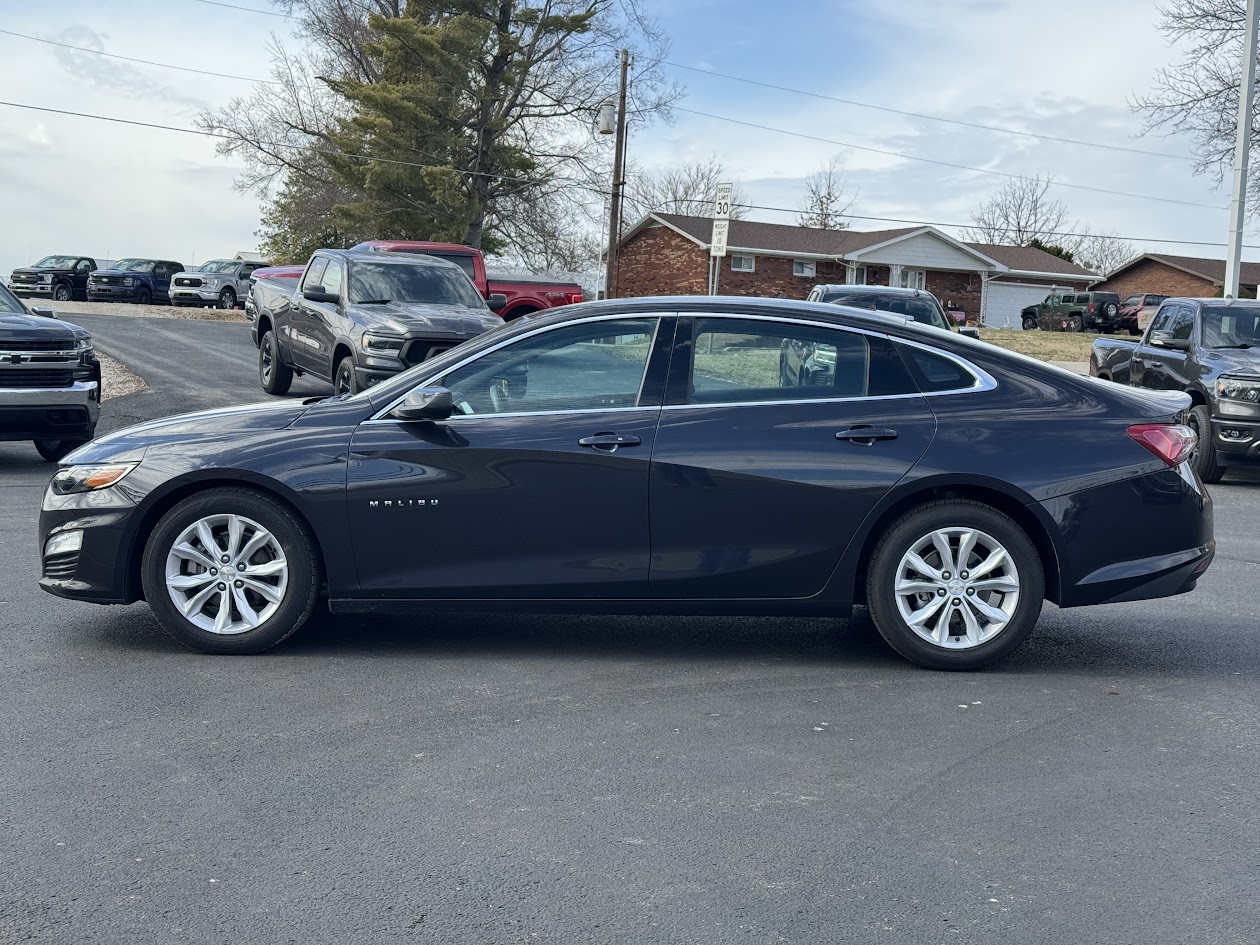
(865, 435)
(608, 442)
(1157, 364)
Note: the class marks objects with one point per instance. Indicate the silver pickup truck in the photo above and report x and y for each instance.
(222, 283)
(50, 379)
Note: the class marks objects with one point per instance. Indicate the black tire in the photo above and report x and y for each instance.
(1108, 330)
(909, 530)
(275, 375)
(305, 570)
(345, 380)
(1030, 324)
(53, 450)
(143, 296)
(1074, 323)
(1205, 464)
(1135, 332)
(62, 293)
(227, 298)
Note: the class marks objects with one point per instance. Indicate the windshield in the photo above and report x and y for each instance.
(219, 265)
(922, 308)
(133, 265)
(9, 304)
(1228, 327)
(56, 262)
(394, 282)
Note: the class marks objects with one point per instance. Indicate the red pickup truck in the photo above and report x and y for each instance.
(524, 294)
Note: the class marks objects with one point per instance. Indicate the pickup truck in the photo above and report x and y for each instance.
(133, 280)
(1074, 311)
(1210, 349)
(50, 379)
(523, 294)
(356, 318)
(60, 278)
(222, 283)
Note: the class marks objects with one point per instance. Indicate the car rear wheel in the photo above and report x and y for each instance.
(1204, 459)
(345, 381)
(276, 376)
(954, 584)
(62, 293)
(53, 450)
(1030, 324)
(1074, 323)
(231, 571)
(227, 298)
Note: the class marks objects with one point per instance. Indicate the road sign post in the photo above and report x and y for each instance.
(721, 230)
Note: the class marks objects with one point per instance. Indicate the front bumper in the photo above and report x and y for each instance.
(112, 293)
(99, 571)
(55, 413)
(202, 296)
(28, 289)
(1237, 442)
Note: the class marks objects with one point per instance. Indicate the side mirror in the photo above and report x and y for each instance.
(971, 331)
(317, 293)
(497, 301)
(1164, 339)
(44, 311)
(1179, 344)
(425, 403)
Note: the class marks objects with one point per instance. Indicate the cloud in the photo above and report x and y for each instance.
(113, 74)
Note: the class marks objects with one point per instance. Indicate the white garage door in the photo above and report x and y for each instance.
(1007, 299)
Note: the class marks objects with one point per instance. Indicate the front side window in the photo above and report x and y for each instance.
(1183, 323)
(1163, 318)
(589, 366)
(334, 276)
(381, 282)
(743, 264)
(315, 272)
(742, 361)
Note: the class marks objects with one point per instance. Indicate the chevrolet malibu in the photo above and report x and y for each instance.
(653, 456)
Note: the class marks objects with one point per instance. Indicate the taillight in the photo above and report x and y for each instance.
(575, 298)
(1171, 442)
(1091, 308)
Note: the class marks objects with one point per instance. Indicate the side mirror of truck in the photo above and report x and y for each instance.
(317, 293)
(1165, 339)
(497, 302)
(44, 311)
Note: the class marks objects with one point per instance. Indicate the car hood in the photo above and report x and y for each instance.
(120, 272)
(1234, 360)
(224, 422)
(37, 270)
(403, 317)
(26, 327)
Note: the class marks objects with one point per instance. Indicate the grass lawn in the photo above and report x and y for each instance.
(1043, 345)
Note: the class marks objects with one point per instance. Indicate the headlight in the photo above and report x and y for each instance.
(129, 281)
(75, 479)
(45, 277)
(385, 343)
(210, 283)
(82, 344)
(1242, 389)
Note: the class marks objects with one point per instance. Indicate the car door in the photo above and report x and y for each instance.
(298, 323)
(1166, 367)
(161, 276)
(1144, 353)
(82, 268)
(537, 487)
(761, 474)
(323, 318)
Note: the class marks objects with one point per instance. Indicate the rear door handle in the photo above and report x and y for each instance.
(608, 442)
(866, 435)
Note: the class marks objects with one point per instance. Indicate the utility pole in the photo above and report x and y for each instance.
(1242, 151)
(614, 205)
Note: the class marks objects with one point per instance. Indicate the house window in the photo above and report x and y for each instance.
(801, 267)
(743, 264)
(855, 275)
(913, 279)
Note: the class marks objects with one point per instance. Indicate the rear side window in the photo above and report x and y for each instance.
(934, 372)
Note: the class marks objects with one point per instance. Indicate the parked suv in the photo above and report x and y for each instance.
(60, 278)
(50, 379)
(1074, 311)
(133, 280)
(918, 304)
(220, 282)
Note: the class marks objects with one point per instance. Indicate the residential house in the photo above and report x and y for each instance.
(1185, 276)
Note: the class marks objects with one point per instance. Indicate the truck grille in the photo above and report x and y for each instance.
(188, 283)
(105, 280)
(16, 377)
(63, 344)
(420, 350)
(24, 277)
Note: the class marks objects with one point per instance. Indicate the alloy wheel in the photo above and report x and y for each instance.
(226, 574)
(61, 294)
(267, 356)
(957, 588)
(227, 299)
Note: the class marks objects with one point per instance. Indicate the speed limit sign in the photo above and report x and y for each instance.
(722, 202)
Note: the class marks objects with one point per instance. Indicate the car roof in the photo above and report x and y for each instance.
(878, 289)
(1204, 300)
(414, 246)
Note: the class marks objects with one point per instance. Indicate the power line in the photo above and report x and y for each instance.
(233, 6)
(950, 121)
(146, 62)
(961, 167)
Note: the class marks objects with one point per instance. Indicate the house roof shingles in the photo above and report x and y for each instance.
(1211, 269)
(779, 238)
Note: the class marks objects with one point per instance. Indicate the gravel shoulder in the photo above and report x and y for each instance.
(117, 380)
(133, 310)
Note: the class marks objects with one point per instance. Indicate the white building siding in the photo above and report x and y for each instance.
(924, 251)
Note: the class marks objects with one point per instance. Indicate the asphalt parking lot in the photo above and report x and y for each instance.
(475, 779)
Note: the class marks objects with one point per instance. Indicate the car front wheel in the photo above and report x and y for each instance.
(1205, 464)
(955, 584)
(1030, 324)
(345, 381)
(231, 571)
(276, 376)
(227, 299)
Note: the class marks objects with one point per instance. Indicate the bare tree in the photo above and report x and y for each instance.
(1018, 213)
(1103, 253)
(826, 200)
(1198, 96)
(683, 188)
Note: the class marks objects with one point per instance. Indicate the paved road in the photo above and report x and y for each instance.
(507, 780)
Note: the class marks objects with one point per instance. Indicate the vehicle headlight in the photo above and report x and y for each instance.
(82, 344)
(129, 281)
(45, 277)
(88, 478)
(384, 343)
(1246, 390)
(210, 283)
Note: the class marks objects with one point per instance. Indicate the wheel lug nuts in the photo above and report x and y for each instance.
(945, 575)
(957, 601)
(963, 575)
(971, 590)
(941, 592)
(223, 587)
(214, 571)
(240, 583)
(225, 559)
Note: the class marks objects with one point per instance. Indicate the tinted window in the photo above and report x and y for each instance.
(315, 272)
(591, 366)
(399, 282)
(334, 277)
(935, 372)
(1183, 323)
(1163, 318)
(923, 309)
(1228, 327)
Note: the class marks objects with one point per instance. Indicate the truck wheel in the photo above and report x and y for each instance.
(62, 293)
(227, 298)
(954, 584)
(1074, 323)
(53, 450)
(1030, 324)
(143, 296)
(345, 380)
(276, 376)
(1204, 459)
(1135, 332)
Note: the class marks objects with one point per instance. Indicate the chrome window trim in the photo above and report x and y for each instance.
(425, 382)
(456, 417)
(983, 380)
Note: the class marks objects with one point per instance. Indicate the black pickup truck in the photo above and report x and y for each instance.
(1210, 349)
(59, 278)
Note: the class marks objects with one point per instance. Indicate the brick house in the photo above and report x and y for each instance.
(668, 254)
(1184, 276)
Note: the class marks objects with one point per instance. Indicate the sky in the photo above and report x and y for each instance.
(1067, 69)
